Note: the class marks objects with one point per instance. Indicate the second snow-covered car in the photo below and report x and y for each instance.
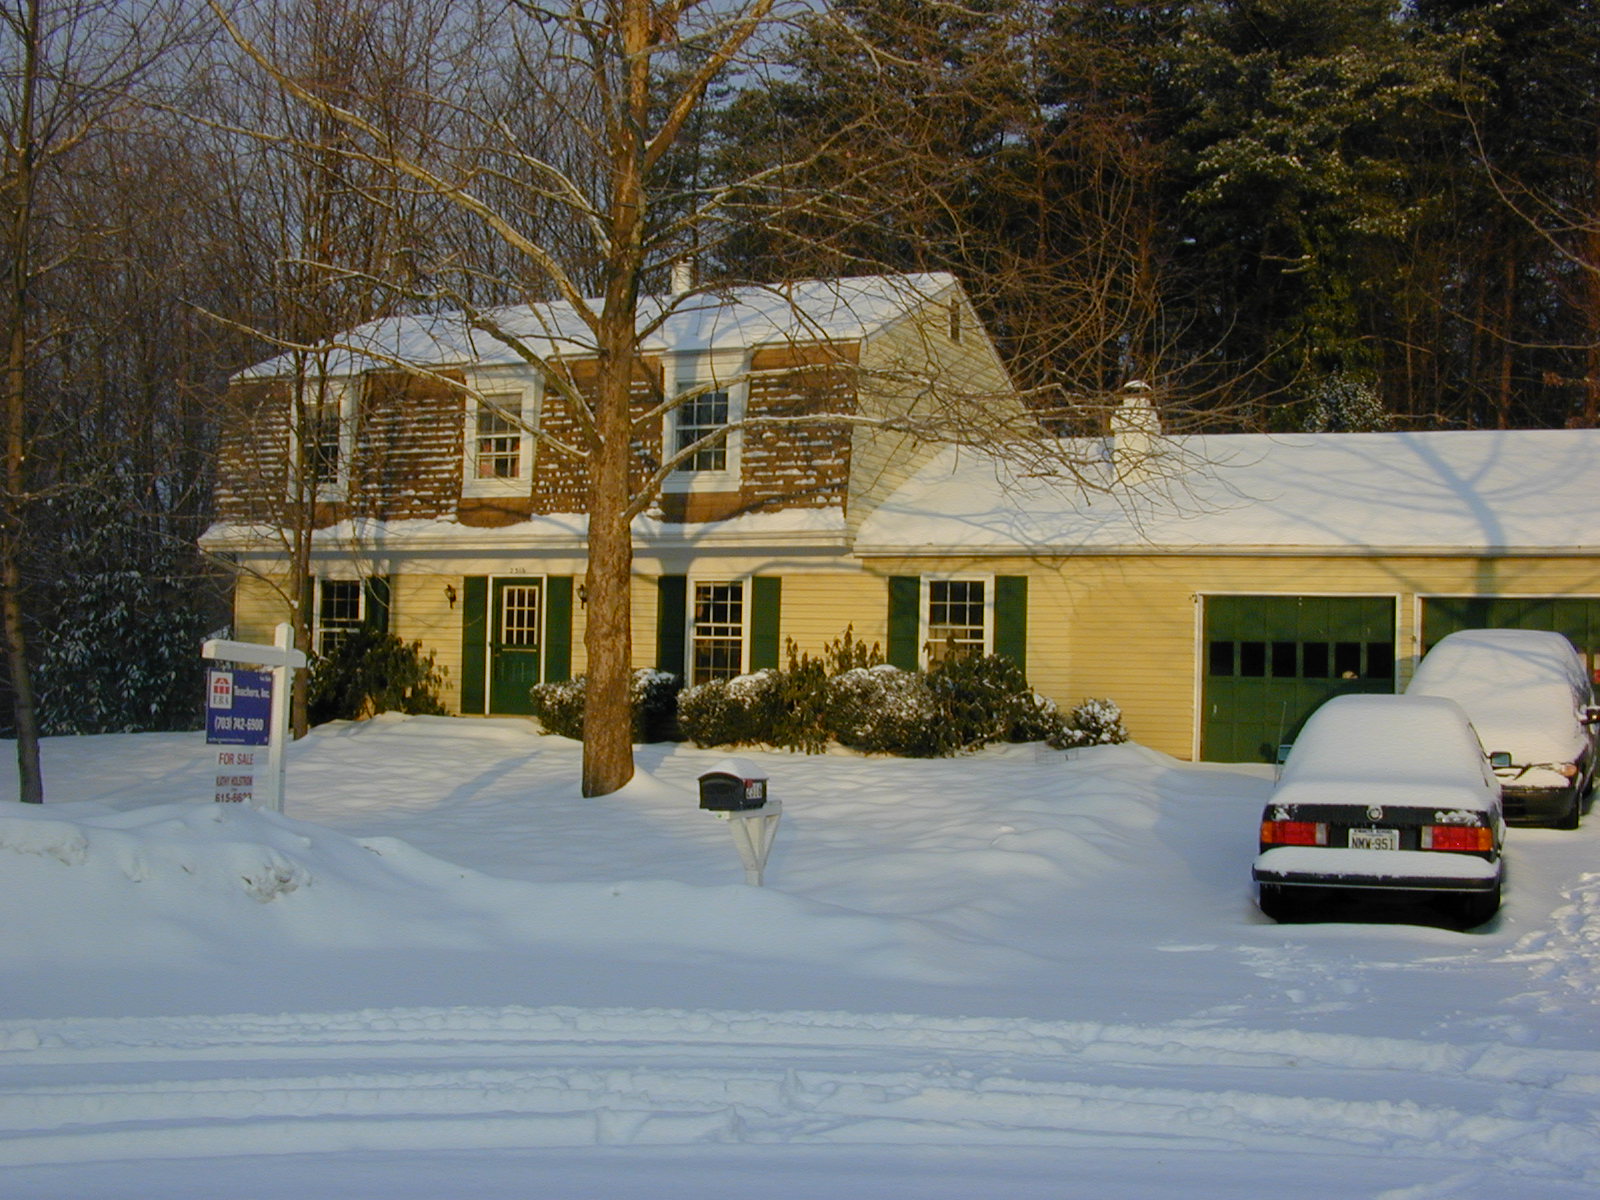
(1388, 794)
(1528, 695)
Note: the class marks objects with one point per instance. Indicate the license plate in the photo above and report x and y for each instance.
(1374, 839)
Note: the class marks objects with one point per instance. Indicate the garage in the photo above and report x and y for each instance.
(1268, 661)
(1578, 617)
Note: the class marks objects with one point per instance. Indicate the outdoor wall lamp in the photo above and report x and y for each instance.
(450, 594)
(583, 594)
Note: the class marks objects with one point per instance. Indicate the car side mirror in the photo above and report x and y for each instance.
(1500, 760)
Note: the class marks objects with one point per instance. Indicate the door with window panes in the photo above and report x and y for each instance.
(1269, 661)
(516, 616)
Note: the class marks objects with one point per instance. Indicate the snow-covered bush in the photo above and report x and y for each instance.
(558, 707)
(1092, 723)
(730, 712)
(369, 673)
(883, 710)
(653, 696)
(985, 698)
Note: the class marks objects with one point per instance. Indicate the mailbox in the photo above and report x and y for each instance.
(734, 785)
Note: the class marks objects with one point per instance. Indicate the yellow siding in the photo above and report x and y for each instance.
(420, 611)
(818, 608)
(258, 607)
(1125, 628)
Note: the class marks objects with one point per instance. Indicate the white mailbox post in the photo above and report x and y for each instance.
(283, 660)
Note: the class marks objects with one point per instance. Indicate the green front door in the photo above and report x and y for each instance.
(515, 619)
(1267, 662)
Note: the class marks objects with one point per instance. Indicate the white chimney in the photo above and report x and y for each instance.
(1135, 430)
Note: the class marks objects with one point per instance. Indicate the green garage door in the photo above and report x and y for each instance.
(1577, 617)
(1269, 661)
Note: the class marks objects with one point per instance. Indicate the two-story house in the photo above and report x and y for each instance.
(445, 511)
(1217, 588)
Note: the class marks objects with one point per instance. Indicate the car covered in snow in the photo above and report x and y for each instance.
(1528, 695)
(1387, 794)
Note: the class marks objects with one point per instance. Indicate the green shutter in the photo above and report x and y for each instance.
(1011, 618)
(375, 611)
(474, 642)
(672, 611)
(905, 601)
(557, 628)
(766, 599)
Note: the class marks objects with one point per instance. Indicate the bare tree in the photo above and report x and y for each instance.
(67, 73)
(326, 233)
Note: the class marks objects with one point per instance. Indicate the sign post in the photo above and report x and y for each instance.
(248, 710)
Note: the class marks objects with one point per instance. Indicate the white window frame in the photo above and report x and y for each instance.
(345, 626)
(925, 612)
(725, 372)
(346, 393)
(690, 623)
(524, 409)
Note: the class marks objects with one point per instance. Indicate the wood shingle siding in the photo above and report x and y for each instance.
(798, 466)
(253, 455)
(408, 450)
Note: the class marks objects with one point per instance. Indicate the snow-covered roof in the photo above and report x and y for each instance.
(735, 318)
(793, 528)
(1446, 492)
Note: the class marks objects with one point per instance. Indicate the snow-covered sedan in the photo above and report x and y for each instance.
(1528, 695)
(1387, 794)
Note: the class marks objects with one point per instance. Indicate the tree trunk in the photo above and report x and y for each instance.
(21, 170)
(24, 710)
(608, 636)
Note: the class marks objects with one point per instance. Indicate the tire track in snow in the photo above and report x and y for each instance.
(118, 1089)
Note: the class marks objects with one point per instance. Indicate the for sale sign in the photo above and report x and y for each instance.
(238, 716)
(239, 708)
(248, 711)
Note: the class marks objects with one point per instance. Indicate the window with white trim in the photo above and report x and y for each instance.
(717, 630)
(341, 611)
(330, 435)
(711, 396)
(957, 617)
(499, 440)
(697, 417)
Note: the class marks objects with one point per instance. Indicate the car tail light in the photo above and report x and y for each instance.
(1294, 833)
(1470, 838)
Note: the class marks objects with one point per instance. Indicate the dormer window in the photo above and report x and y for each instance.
(498, 449)
(697, 418)
(711, 396)
(499, 440)
(329, 434)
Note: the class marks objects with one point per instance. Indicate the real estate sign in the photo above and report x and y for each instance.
(239, 718)
(247, 715)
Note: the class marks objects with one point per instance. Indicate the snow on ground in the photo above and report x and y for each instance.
(442, 973)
